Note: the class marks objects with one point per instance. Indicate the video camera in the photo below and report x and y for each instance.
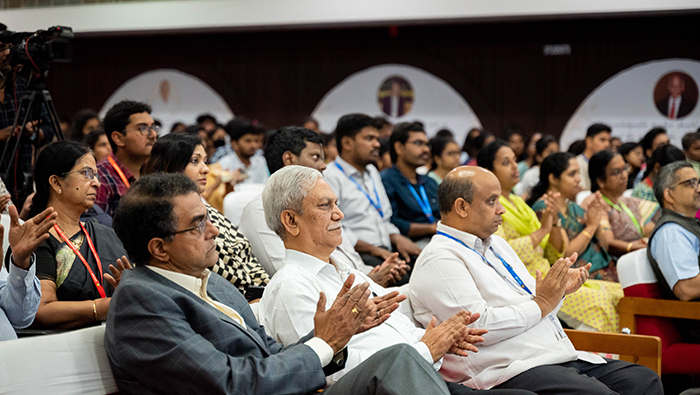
(38, 49)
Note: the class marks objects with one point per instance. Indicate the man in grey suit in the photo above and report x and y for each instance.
(174, 327)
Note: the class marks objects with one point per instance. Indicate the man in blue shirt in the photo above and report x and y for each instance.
(674, 246)
(413, 197)
(20, 290)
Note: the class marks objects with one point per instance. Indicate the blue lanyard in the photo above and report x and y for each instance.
(423, 202)
(378, 204)
(508, 267)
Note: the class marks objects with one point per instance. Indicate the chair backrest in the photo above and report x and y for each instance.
(638, 280)
(68, 363)
(235, 202)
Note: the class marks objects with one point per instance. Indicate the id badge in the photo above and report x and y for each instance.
(555, 323)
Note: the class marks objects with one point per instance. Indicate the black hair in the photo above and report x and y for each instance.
(193, 129)
(487, 155)
(171, 153)
(437, 146)
(400, 134)
(81, 118)
(146, 212)
(327, 138)
(542, 144)
(468, 145)
(648, 139)
(689, 139)
(577, 147)
(512, 130)
(380, 122)
(626, 148)
(445, 134)
(54, 159)
(237, 128)
(453, 188)
(205, 117)
(597, 128)
(91, 138)
(288, 138)
(350, 125)
(554, 164)
(176, 125)
(597, 165)
(383, 146)
(117, 118)
(663, 155)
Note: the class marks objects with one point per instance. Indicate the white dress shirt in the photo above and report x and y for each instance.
(528, 182)
(361, 217)
(583, 171)
(671, 102)
(448, 277)
(288, 307)
(269, 248)
(198, 286)
(257, 171)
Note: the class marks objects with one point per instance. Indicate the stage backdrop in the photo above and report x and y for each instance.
(175, 97)
(399, 93)
(637, 99)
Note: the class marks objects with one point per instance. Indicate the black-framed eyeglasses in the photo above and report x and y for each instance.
(145, 130)
(616, 172)
(201, 226)
(88, 172)
(692, 182)
(420, 143)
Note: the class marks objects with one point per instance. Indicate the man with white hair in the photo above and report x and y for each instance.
(302, 209)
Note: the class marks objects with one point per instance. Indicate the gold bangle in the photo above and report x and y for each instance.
(94, 310)
(629, 246)
(585, 233)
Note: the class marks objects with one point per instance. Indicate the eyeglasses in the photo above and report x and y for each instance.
(616, 172)
(692, 182)
(145, 130)
(88, 172)
(420, 143)
(201, 226)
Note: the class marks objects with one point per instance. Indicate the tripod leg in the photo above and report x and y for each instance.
(26, 104)
(53, 114)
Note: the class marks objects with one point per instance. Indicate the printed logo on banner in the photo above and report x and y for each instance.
(395, 96)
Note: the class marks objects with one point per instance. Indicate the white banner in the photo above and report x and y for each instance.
(400, 93)
(175, 97)
(642, 97)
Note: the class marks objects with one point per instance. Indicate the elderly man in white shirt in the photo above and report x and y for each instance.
(293, 145)
(466, 267)
(302, 210)
(356, 181)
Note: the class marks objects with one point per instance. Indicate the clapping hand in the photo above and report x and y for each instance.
(25, 238)
(452, 336)
(379, 309)
(116, 275)
(560, 280)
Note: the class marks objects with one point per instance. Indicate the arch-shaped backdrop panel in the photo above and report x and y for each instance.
(174, 95)
(400, 93)
(636, 99)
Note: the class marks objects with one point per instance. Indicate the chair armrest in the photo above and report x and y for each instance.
(644, 350)
(630, 307)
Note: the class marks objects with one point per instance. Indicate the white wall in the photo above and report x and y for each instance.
(211, 14)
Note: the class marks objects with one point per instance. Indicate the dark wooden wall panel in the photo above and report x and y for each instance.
(278, 77)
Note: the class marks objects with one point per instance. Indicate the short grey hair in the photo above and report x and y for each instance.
(668, 176)
(286, 190)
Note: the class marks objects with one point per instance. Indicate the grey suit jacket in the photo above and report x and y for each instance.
(161, 338)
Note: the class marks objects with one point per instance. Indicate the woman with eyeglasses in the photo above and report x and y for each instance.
(446, 155)
(537, 241)
(74, 263)
(184, 153)
(661, 157)
(627, 221)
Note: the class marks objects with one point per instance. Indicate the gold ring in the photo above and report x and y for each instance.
(354, 310)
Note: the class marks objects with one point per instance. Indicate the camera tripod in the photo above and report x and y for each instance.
(34, 98)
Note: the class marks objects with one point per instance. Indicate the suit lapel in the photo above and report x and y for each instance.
(176, 287)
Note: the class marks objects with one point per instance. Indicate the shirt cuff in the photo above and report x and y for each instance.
(532, 312)
(424, 351)
(322, 349)
(20, 275)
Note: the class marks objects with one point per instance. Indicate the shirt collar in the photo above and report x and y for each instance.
(467, 238)
(349, 169)
(419, 178)
(196, 285)
(306, 261)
